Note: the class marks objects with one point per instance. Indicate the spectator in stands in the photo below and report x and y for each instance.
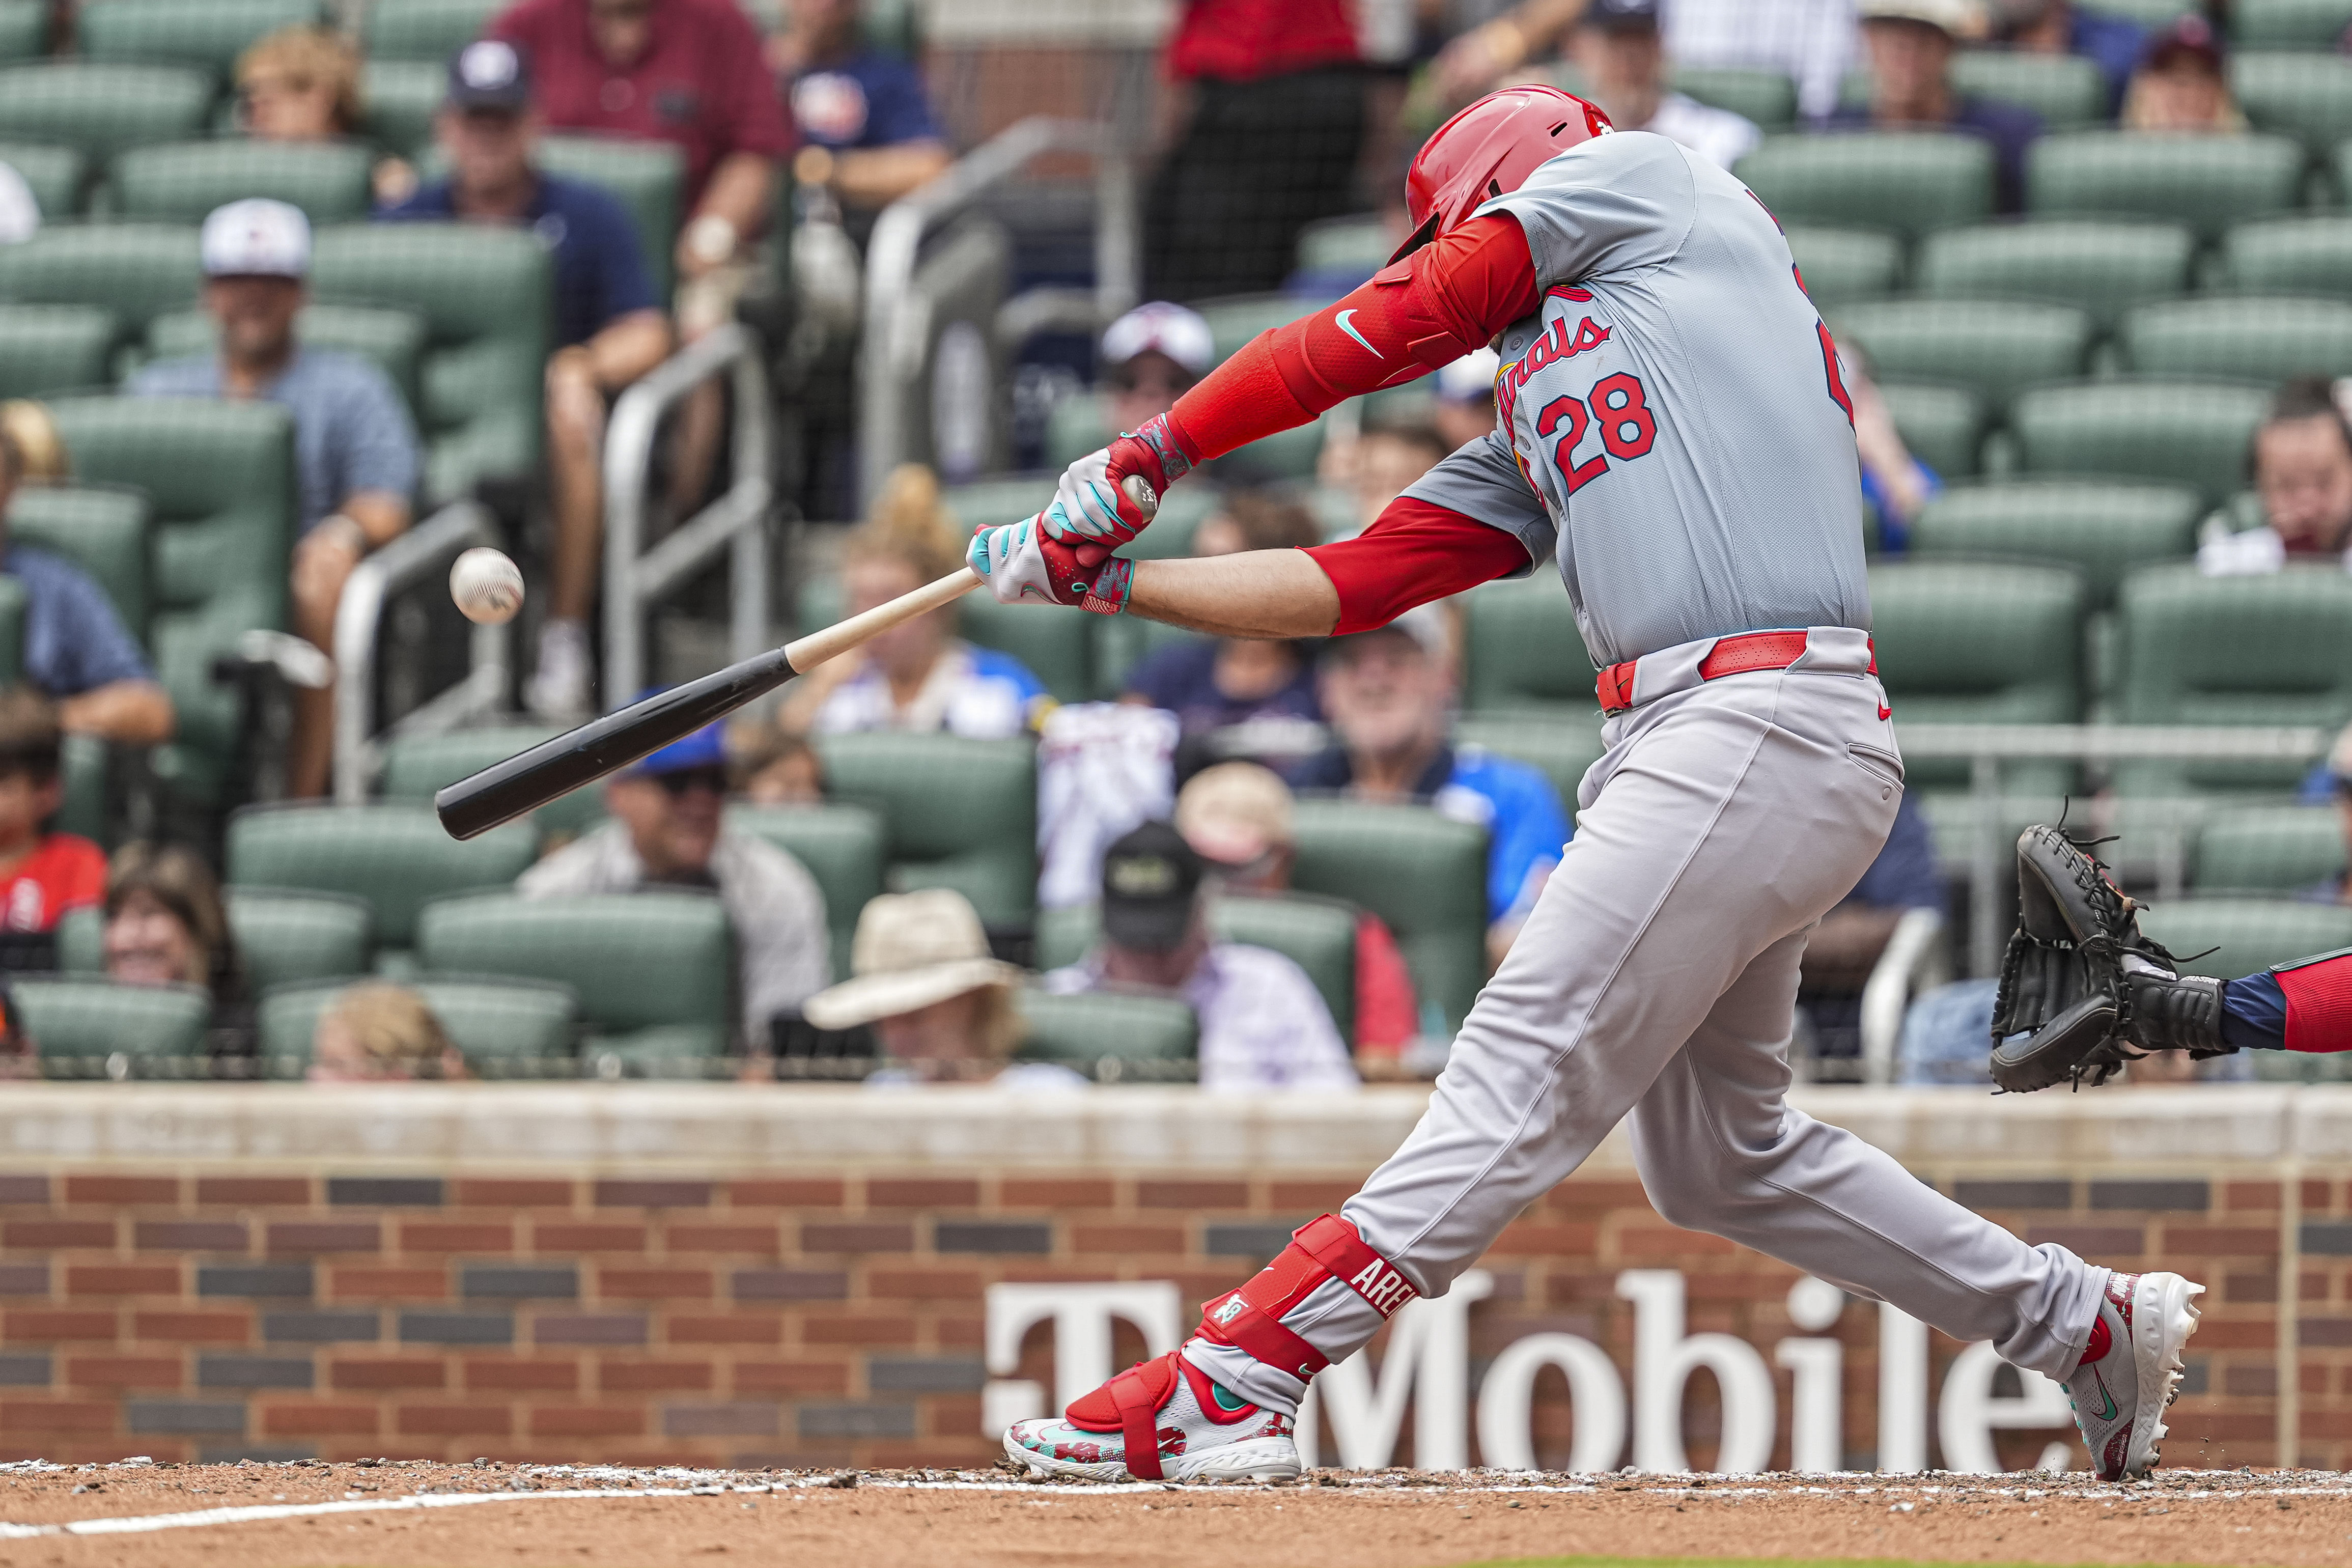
(76, 649)
(1895, 485)
(376, 1032)
(2182, 83)
(1237, 818)
(20, 213)
(1615, 44)
(355, 450)
(1809, 41)
(1269, 100)
(780, 769)
(1911, 44)
(867, 124)
(1845, 947)
(166, 925)
(2063, 27)
(1382, 463)
(1262, 1024)
(917, 675)
(2301, 457)
(1150, 357)
(1464, 409)
(941, 1005)
(1388, 694)
(669, 832)
(609, 325)
(303, 83)
(42, 873)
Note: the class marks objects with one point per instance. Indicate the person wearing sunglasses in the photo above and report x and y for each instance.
(668, 833)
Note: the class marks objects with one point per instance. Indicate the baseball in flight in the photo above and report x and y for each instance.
(487, 587)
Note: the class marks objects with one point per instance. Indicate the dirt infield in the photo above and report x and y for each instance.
(417, 1515)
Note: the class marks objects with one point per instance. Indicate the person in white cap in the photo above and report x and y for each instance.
(355, 452)
(1464, 410)
(1151, 356)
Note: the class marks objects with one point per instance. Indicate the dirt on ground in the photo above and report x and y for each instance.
(416, 1515)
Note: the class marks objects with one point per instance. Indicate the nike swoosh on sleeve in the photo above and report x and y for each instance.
(1348, 326)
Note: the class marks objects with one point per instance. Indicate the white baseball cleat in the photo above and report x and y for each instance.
(1162, 1420)
(2131, 1370)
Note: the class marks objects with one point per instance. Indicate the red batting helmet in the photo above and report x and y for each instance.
(1487, 150)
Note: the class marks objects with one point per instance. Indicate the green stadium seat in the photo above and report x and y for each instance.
(1344, 248)
(1969, 642)
(1065, 935)
(13, 607)
(1054, 644)
(2289, 24)
(395, 855)
(283, 935)
(2233, 650)
(1561, 743)
(1110, 1036)
(2261, 338)
(2268, 849)
(81, 940)
(219, 476)
(2205, 182)
(402, 96)
(1944, 426)
(2104, 530)
(647, 177)
(210, 35)
(94, 1028)
(2306, 95)
(393, 340)
(1421, 872)
(1077, 425)
(483, 293)
(1007, 499)
(136, 271)
(1522, 648)
(653, 972)
(181, 182)
(54, 176)
(841, 846)
(985, 847)
(415, 766)
(1766, 96)
(424, 29)
(101, 529)
(1842, 265)
(2306, 255)
(1903, 184)
(2065, 90)
(2192, 432)
(49, 349)
(2102, 266)
(23, 29)
(1122, 642)
(1993, 349)
(2246, 935)
(504, 1028)
(102, 107)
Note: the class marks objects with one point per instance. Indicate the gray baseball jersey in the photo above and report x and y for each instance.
(1674, 423)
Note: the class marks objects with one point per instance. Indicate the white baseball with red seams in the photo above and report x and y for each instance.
(486, 586)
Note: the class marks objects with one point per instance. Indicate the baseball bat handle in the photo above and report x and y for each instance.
(524, 782)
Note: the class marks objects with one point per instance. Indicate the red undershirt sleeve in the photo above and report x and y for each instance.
(1440, 302)
(1414, 553)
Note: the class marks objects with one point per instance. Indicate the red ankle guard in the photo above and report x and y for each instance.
(1250, 1319)
(2318, 1002)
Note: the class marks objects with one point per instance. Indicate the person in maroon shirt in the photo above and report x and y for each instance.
(1271, 99)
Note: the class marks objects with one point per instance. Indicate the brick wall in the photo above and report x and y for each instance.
(796, 1277)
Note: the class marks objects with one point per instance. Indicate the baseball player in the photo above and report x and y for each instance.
(1672, 426)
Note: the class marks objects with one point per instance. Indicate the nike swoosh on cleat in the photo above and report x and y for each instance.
(1348, 326)
(2109, 1413)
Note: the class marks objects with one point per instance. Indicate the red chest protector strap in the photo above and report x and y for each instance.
(1324, 1248)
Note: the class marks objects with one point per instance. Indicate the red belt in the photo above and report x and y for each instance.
(1730, 655)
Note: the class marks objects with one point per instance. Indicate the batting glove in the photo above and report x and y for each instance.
(1020, 563)
(1107, 498)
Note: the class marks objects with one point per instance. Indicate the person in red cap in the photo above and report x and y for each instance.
(2182, 83)
(1674, 431)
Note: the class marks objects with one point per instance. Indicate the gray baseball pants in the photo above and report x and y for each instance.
(1657, 977)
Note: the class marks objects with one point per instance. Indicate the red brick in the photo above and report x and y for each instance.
(653, 1376)
(923, 1284)
(650, 1284)
(1523, 1240)
(39, 1325)
(653, 1192)
(115, 1372)
(1064, 1193)
(191, 1328)
(189, 1235)
(507, 1192)
(588, 1421)
(324, 1236)
(48, 1233)
(367, 1282)
(737, 1330)
(952, 1416)
(65, 1417)
(2219, 1241)
(754, 1240)
(2318, 1195)
(786, 1192)
(1166, 1194)
(506, 1372)
(1667, 1241)
(111, 1189)
(962, 1333)
(921, 1193)
(452, 1420)
(1311, 1198)
(302, 1419)
(2332, 1334)
(789, 1377)
(385, 1372)
(857, 1236)
(253, 1189)
(2093, 1240)
(455, 1235)
(1092, 1238)
(552, 1236)
(123, 1280)
(851, 1329)
(2221, 1334)
(2201, 1426)
(1594, 1195)
(2250, 1195)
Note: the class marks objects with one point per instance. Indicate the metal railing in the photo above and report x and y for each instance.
(737, 522)
(414, 557)
(898, 316)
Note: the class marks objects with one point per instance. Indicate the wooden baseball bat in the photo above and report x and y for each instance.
(521, 784)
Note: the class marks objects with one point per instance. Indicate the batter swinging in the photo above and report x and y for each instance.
(1673, 427)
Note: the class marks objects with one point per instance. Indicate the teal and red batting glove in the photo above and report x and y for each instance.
(1022, 563)
(1108, 497)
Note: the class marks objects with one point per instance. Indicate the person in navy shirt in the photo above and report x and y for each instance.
(609, 324)
(868, 133)
(1911, 43)
(2062, 27)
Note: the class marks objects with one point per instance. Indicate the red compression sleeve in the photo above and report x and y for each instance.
(1414, 553)
(1429, 309)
